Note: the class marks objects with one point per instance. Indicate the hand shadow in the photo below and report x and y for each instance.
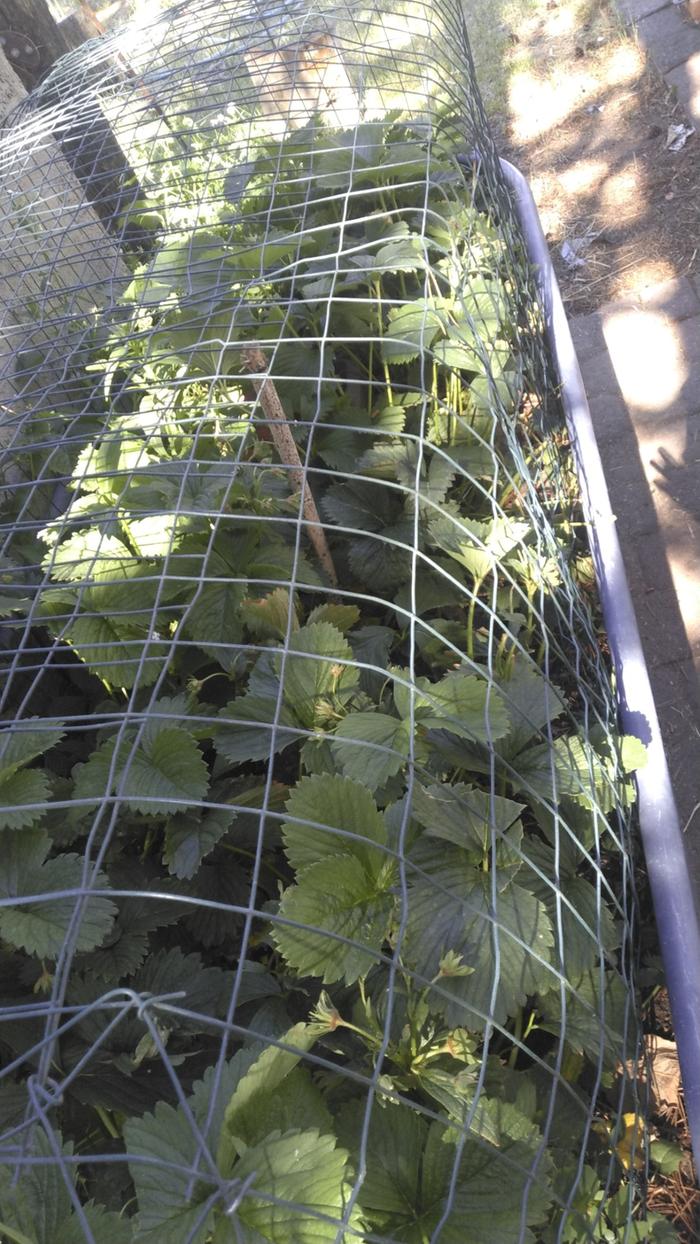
(675, 478)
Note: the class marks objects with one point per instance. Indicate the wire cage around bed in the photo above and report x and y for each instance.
(317, 900)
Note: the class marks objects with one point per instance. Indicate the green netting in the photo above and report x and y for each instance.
(317, 907)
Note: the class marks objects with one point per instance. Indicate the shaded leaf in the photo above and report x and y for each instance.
(451, 908)
(22, 741)
(190, 837)
(39, 926)
(311, 670)
(214, 620)
(569, 766)
(354, 823)
(161, 1149)
(461, 702)
(532, 702)
(371, 646)
(18, 793)
(38, 1208)
(592, 1017)
(248, 733)
(371, 747)
(467, 817)
(407, 1191)
(589, 931)
(164, 772)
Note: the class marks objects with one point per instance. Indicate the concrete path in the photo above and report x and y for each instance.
(673, 42)
(641, 366)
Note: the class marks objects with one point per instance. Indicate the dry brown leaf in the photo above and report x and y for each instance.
(665, 1075)
(659, 1067)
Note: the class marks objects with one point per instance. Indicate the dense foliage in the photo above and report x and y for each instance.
(360, 845)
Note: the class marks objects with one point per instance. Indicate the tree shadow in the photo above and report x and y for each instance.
(656, 503)
(586, 120)
(586, 117)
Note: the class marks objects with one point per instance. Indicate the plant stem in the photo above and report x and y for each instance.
(470, 618)
(517, 1039)
(361, 1032)
(227, 846)
(530, 1025)
(13, 1235)
(377, 289)
(108, 1125)
(284, 443)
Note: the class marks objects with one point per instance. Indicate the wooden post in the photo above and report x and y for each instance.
(12, 91)
(32, 20)
(80, 25)
(57, 265)
(88, 143)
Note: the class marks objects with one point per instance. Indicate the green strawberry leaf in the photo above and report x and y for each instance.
(463, 815)
(214, 620)
(299, 1191)
(339, 917)
(592, 1019)
(161, 1148)
(461, 703)
(247, 731)
(311, 671)
(451, 909)
(415, 1181)
(587, 925)
(268, 617)
(19, 794)
(478, 546)
(22, 741)
(164, 773)
(38, 1209)
(371, 747)
(39, 926)
(331, 816)
(258, 1094)
(412, 328)
(191, 836)
(21, 789)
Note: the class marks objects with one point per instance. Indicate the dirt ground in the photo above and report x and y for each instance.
(587, 121)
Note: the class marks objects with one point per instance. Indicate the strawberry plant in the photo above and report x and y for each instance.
(315, 917)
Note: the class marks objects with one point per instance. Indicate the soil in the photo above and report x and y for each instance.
(660, 1020)
(588, 125)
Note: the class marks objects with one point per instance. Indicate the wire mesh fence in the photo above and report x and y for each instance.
(317, 903)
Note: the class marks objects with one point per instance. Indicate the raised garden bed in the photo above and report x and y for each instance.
(318, 913)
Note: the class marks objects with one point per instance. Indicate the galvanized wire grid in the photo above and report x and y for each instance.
(341, 781)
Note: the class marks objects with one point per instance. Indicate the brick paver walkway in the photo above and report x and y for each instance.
(641, 366)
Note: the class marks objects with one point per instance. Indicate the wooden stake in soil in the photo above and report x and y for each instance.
(256, 361)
